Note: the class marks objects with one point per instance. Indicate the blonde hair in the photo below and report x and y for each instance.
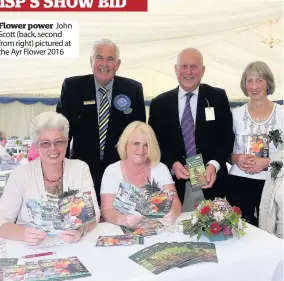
(154, 154)
(48, 120)
(261, 69)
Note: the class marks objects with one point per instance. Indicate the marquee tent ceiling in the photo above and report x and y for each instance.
(227, 32)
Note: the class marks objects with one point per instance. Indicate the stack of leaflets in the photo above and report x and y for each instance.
(71, 212)
(149, 201)
(163, 256)
(4, 262)
(197, 172)
(46, 270)
(119, 240)
(147, 227)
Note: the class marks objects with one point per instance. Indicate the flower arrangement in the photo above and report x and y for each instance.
(215, 218)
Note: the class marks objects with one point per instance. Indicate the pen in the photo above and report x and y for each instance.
(38, 255)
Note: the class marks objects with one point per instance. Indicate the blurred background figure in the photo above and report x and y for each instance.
(4, 155)
(271, 205)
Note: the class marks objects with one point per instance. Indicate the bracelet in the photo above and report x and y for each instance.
(85, 231)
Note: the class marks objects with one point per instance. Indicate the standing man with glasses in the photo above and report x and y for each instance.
(99, 106)
(192, 119)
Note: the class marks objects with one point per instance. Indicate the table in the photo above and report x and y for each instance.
(252, 258)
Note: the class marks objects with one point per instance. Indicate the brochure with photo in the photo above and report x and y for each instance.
(119, 240)
(71, 212)
(197, 172)
(149, 201)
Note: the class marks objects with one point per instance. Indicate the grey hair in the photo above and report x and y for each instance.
(48, 120)
(2, 134)
(261, 69)
(193, 50)
(106, 42)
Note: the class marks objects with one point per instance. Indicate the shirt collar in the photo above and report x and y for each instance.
(182, 92)
(108, 86)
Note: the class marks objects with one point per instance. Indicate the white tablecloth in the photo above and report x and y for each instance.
(252, 258)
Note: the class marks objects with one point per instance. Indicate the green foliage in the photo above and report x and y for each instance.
(152, 187)
(275, 137)
(68, 193)
(276, 166)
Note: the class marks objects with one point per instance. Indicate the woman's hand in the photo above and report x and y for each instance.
(71, 235)
(34, 236)
(244, 161)
(169, 218)
(259, 166)
(130, 221)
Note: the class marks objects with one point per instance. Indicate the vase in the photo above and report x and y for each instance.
(218, 237)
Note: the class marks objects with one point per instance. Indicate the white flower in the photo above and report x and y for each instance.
(218, 216)
(240, 224)
(194, 220)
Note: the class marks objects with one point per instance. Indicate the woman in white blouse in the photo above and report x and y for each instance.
(271, 205)
(256, 119)
(45, 178)
(140, 161)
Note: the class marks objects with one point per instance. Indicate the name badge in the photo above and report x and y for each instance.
(88, 102)
(209, 113)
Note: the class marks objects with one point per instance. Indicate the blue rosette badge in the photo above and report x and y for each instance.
(122, 103)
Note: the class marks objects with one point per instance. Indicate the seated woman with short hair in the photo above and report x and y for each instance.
(140, 160)
(271, 205)
(45, 178)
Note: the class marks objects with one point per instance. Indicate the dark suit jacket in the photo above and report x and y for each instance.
(83, 120)
(214, 139)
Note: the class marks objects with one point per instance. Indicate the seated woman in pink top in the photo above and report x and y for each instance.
(32, 155)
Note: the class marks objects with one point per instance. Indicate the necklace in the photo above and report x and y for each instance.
(52, 181)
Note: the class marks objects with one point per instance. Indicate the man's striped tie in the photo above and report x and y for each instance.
(103, 119)
(188, 129)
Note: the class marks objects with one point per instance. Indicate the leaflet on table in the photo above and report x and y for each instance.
(147, 227)
(71, 212)
(46, 270)
(119, 240)
(197, 172)
(131, 200)
(163, 256)
(6, 262)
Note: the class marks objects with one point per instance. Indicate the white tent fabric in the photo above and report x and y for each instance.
(229, 34)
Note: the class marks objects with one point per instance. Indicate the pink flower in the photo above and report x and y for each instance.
(227, 230)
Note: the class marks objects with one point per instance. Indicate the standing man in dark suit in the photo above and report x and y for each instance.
(99, 106)
(194, 119)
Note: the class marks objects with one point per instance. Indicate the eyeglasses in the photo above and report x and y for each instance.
(56, 143)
